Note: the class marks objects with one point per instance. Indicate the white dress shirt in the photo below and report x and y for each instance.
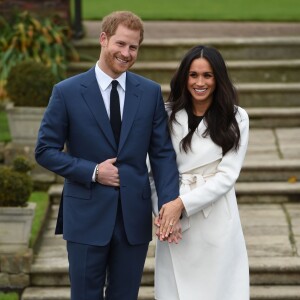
(104, 83)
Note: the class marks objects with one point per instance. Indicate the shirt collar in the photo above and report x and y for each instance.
(104, 80)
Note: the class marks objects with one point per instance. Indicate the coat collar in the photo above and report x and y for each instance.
(204, 150)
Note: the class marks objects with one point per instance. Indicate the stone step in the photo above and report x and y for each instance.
(268, 192)
(275, 292)
(260, 48)
(272, 235)
(266, 95)
(51, 268)
(274, 270)
(270, 270)
(259, 169)
(249, 192)
(270, 229)
(147, 293)
(272, 117)
(240, 71)
(253, 93)
(63, 293)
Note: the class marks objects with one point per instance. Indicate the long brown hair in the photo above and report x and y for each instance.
(222, 126)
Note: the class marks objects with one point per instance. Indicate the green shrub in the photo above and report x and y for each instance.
(46, 40)
(15, 183)
(22, 165)
(29, 83)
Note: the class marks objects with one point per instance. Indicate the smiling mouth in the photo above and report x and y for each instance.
(122, 60)
(200, 90)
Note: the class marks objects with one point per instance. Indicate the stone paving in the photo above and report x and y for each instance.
(274, 144)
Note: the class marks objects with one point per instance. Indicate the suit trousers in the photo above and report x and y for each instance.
(117, 265)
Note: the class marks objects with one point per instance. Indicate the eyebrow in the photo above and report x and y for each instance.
(205, 72)
(124, 42)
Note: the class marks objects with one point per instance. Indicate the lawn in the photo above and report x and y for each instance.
(4, 129)
(230, 10)
(41, 200)
(9, 296)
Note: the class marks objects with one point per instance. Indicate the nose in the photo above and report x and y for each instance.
(200, 80)
(125, 52)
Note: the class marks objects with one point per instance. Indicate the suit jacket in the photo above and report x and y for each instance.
(76, 118)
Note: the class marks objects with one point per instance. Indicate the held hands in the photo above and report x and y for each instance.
(175, 235)
(108, 173)
(168, 217)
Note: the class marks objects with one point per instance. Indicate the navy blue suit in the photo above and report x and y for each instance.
(76, 117)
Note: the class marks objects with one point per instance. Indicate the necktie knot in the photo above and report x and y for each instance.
(114, 84)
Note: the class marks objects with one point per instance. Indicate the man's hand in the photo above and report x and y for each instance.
(169, 216)
(176, 235)
(108, 174)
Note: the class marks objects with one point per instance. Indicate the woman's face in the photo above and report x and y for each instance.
(201, 83)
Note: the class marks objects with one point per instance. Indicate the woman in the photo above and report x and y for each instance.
(210, 136)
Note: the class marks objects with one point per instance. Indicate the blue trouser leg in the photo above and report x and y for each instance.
(123, 263)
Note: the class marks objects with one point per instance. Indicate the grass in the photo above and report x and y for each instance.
(226, 10)
(41, 200)
(4, 129)
(9, 296)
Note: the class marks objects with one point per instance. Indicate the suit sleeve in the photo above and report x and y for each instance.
(226, 174)
(162, 156)
(52, 136)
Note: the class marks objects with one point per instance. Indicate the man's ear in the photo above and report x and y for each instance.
(103, 39)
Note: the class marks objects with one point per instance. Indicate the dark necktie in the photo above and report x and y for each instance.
(115, 115)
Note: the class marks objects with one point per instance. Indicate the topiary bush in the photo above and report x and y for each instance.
(16, 183)
(30, 83)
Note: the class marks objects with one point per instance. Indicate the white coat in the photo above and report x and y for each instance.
(210, 262)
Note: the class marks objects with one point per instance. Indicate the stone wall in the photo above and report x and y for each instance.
(15, 269)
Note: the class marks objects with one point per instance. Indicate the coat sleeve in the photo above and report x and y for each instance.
(226, 175)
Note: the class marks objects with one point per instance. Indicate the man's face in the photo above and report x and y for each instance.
(119, 52)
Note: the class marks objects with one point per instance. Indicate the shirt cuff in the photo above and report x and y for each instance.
(94, 175)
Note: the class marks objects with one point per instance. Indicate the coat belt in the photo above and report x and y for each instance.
(192, 181)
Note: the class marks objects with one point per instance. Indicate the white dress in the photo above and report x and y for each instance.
(210, 262)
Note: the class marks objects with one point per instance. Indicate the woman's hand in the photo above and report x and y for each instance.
(175, 234)
(168, 217)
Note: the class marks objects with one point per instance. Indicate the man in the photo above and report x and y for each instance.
(105, 213)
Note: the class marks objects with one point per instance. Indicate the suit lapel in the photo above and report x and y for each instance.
(132, 100)
(94, 100)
